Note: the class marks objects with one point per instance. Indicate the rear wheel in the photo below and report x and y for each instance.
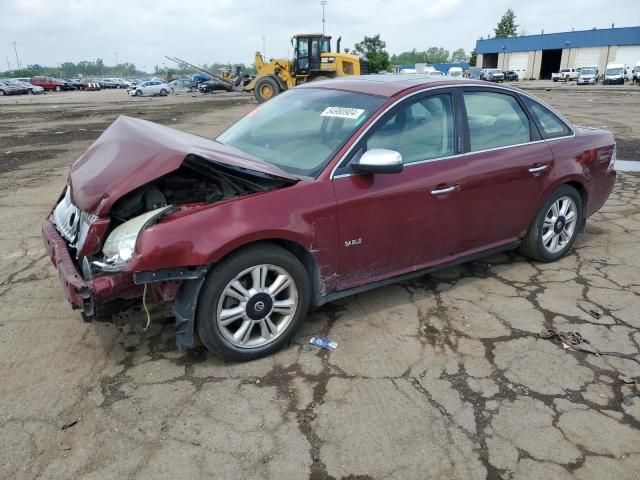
(266, 88)
(252, 302)
(58, 88)
(555, 226)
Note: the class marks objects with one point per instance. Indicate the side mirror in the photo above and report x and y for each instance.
(378, 160)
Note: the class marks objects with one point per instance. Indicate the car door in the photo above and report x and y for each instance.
(508, 166)
(390, 224)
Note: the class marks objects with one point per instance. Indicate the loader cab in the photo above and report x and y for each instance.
(307, 50)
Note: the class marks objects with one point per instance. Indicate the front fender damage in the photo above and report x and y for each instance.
(184, 308)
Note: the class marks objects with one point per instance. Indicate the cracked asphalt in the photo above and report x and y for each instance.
(440, 378)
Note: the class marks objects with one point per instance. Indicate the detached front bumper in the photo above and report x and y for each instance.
(75, 288)
(85, 294)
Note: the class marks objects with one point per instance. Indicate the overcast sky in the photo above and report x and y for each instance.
(204, 31)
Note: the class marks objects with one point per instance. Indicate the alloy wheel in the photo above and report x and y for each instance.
(257, 306)
(559, 224)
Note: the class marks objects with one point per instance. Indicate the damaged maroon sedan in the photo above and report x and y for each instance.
(325, 191)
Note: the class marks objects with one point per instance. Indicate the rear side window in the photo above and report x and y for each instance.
(548, 123)
(495, 120)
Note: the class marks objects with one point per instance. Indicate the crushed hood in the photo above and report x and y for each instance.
(133, 152)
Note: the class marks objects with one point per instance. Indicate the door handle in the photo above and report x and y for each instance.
(538, 169)
(440, 191)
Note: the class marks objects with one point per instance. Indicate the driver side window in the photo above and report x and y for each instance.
(420, 130)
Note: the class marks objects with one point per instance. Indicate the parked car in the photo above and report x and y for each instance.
(119, 82)
(327, 190)
(183, 84)
(511, 76)
(493, 75)
(109, 83)
(21, 88)
(213, 85)
(33, 89)
(48, 83)
(8, 88)
(152, 87)
(565, 75)
(588, 76)
(455, 72)
(614, 74)
(475, 73)
(71, 84)
(90, 84)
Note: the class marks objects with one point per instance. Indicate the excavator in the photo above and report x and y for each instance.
(313, 60)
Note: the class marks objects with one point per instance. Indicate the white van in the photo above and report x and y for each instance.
(615, 74)
(454, 72)
(636, 73)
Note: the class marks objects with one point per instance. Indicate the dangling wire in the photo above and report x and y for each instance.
(146, 310)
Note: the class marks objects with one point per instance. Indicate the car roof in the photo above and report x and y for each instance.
(388, 85)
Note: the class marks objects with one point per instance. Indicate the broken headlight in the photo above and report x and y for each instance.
(119, 246)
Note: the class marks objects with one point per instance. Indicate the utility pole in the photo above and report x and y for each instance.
(15, 49)
(8, 64)
(324, 4)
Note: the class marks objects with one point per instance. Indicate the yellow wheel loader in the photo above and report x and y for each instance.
(313, 60)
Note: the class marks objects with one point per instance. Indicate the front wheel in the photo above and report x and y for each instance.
(163, 92)
(266, 88)
(58, 88)
(138, 93)
(252, 302)
(555, 227)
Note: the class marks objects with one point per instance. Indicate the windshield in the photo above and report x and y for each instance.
(496, 70)
(300, 130)
(614, 71)
(588, 71)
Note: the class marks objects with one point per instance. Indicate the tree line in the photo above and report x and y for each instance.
(97, 68)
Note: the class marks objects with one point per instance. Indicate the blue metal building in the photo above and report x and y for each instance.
(537, 56)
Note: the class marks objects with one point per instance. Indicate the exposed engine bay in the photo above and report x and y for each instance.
(196, 181)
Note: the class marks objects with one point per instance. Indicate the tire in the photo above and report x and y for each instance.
(2, 93)
(58, 88)
(266, 88)
(214, 299)
(535, 245)
(163, 93)
(138, 93)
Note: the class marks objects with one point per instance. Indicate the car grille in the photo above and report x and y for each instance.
(72, 223)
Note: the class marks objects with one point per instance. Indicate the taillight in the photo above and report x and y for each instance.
(612, 162)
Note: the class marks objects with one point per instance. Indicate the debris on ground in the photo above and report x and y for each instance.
(628, 399)
(69, 424)
(569, 340)
(323, 343)
(573, 340)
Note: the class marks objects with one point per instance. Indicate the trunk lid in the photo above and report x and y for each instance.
(133, 152)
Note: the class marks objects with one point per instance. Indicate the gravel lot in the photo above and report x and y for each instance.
(444, 377)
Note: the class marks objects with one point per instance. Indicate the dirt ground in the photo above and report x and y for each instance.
(443, 377)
